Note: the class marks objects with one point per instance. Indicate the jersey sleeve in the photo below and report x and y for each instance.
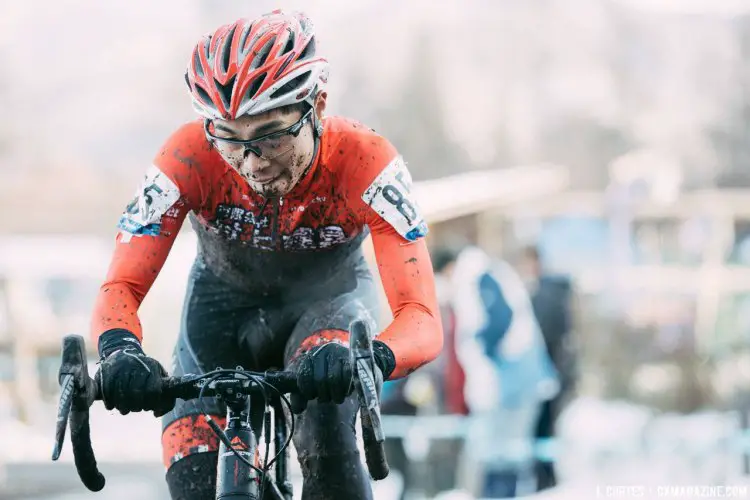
(381, 189)
(147, 229)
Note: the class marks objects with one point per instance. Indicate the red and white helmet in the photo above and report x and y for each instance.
(255, 65)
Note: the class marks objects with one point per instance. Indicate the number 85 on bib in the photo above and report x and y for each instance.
(391, 197)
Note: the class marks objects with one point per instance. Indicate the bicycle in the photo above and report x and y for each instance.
(240, 475)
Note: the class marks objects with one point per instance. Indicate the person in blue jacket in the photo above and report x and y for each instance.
(509, 373)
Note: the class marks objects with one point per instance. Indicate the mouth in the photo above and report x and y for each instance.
(266, 180)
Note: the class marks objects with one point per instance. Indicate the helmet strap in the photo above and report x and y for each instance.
(317, 127)
(316, 122)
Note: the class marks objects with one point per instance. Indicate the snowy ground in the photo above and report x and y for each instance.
(603, 445)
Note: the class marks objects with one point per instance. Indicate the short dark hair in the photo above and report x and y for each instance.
(301, 106)
(442, 257)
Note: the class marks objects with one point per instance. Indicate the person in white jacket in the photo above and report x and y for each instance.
(508, 370)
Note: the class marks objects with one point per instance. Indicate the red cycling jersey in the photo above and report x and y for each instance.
(356, 181)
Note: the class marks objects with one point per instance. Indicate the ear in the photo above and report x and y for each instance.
(320, 104)
(210, 141)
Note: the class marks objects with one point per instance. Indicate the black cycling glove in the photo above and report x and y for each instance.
(325, 373)
(130, 380)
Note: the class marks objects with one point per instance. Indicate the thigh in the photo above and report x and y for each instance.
(221, 327)
(325, 428)
(212, 316)
(325, 434)
(328, 320)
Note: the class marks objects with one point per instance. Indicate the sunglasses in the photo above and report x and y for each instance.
(275, 143)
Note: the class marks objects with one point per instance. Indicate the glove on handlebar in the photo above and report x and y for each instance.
(325, 373)
(130, 380)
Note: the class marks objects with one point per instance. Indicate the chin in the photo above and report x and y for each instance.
(280, 187)
(277, 188)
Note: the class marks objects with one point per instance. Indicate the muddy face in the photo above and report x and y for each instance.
(281, 147)
(272, 166)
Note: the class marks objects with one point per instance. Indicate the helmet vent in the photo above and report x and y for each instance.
(309, 50)
(204, 95)
(197, 65)
(291, 85)
(257, 83)
(284, 65)
(226, 49)
(289, 43)
(262, 55)
(243, 38)
(225, 91)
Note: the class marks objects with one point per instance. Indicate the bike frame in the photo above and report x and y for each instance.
(236, 480)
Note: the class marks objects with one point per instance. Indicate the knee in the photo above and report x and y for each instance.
(186, 436)
(190, 455)
(193, 477)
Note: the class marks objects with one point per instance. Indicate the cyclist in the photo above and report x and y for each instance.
(281, 198)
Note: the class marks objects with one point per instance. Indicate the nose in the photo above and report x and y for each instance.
(255, 164)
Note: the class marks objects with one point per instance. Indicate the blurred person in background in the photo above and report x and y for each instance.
(438, 388)
(395, 402)
(508, 373)
(551, 298)
(447, 377)
(450, 376)
(281, 199)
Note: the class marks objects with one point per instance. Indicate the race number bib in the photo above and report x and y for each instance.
(390, 196)
(156, 195)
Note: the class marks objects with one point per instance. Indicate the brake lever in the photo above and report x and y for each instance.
(67, 386)
(78, 393)
(366, 376)
(77, 389)
(363, 359)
